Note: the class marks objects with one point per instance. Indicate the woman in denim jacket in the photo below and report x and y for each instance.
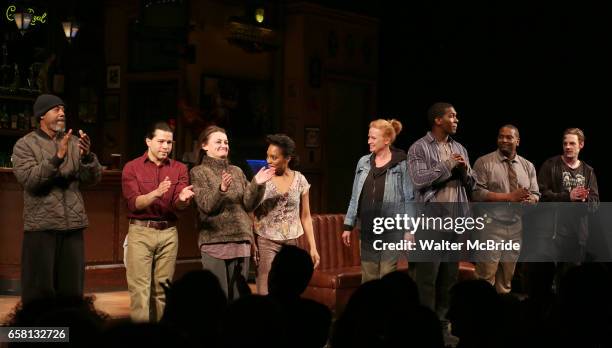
(381, 189)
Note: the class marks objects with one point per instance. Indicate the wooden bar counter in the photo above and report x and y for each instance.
(108, 226)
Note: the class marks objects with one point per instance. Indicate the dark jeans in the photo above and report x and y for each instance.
(434, 281)
(52, 264)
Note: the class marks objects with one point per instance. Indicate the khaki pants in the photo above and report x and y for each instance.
(376, 270)
(377, 264)
(151, 259)
(499, 274)
(498, 266)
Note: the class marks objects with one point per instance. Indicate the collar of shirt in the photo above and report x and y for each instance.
(42, 133)
(432, 139)
(145, 158)
(503, 158)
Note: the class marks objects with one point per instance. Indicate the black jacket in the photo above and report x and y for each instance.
(571, 217)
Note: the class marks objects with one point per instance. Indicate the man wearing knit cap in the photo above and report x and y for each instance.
(51, 165)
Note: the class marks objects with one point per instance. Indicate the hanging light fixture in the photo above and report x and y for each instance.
(23, 20)
(71, 29)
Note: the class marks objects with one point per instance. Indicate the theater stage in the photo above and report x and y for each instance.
(115, 303)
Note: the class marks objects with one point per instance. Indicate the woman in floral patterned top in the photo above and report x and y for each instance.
(284, 214)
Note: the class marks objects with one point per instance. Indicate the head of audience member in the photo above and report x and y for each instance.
(253, 321)
(290, 273)
(508, 140)
(159, 140)
(443, 118)
(382, 134)
(77, 313)
(151, 335)
(419, 323)
(573, 142)
(214, 143)
(281, 153)
(361, 324)
(538, 280)
(401, 287)
(195, 304)
(472, 303)
(378, 317)
(308, 323)
(585, 305)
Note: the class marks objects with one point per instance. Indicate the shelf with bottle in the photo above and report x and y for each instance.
(20, 80)
(5, 160)
(16, 118)
(17, 87)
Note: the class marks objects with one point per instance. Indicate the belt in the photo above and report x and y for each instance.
(156, 224)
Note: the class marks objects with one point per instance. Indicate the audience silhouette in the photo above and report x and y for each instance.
(381, 313)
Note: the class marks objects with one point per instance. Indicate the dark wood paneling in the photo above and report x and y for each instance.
(101, 210)
(11, 219)
(188, 234)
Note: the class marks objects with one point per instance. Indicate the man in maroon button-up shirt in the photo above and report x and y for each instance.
(155, 187)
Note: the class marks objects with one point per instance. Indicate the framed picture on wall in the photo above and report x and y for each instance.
(311, 137)
(113, 76)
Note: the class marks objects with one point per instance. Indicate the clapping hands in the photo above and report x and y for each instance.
(226, 181)
(186, 194)
(163, 187)
(579, 194)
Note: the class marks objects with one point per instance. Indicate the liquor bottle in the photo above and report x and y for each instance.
(5, 121)
(22, 122)
(31, 119)
(3, 159)
(14, 87)
(14, 118)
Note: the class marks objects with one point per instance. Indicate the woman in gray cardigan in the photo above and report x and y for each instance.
(224, 199)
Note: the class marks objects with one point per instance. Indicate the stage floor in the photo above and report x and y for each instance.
(116, 304)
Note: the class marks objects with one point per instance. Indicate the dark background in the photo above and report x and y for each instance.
(543, 67)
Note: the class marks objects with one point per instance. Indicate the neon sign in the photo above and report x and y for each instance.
(41, 18)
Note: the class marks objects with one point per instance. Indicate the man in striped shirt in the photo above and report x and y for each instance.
(440, 171)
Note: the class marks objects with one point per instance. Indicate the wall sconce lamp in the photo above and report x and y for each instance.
(259, 15)
(23, 20)
(71, 29)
